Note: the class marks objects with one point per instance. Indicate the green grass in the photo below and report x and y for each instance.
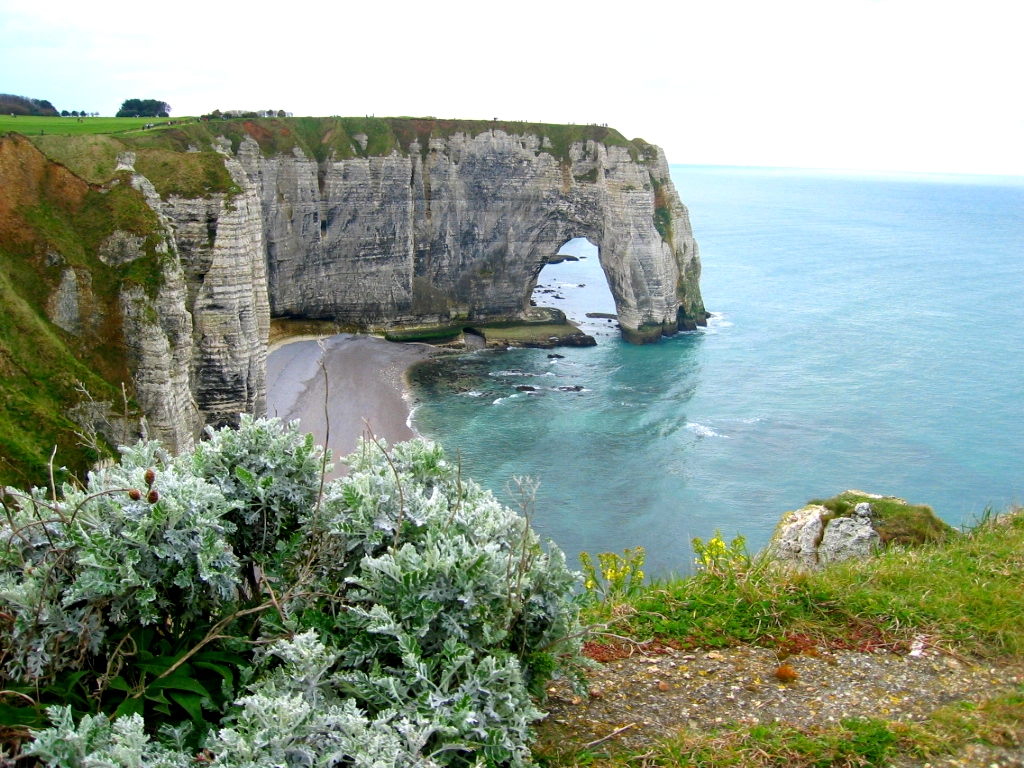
(40, 373)
(171, 169)
(69, 126)
(190, 175)
(319, 137)
(324, 137)
(92, 157)
(966, 593)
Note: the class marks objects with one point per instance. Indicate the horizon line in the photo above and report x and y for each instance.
(1018, 178)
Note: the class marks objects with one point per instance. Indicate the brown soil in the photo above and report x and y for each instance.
(641, 694)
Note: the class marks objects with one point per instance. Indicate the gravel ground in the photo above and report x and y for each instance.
(653, 693)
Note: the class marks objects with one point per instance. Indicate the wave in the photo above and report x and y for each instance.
(516, 373)
(701, 431)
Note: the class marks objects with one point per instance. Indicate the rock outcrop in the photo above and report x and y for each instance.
(813, 537)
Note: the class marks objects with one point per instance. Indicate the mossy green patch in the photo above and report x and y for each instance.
(590, 177)
(282, 328)
(896, 521)
(185, 174)
(648, 333)
(436, 334)
(53, 229)
(92, 157)
(662, 211)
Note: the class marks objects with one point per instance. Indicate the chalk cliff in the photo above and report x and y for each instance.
(459, 228)
(378, 224)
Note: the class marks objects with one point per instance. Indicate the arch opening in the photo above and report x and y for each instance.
(574, 282)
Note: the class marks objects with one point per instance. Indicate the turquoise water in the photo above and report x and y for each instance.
(868, 334)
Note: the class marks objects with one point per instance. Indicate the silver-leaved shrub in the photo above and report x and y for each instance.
(230, 604)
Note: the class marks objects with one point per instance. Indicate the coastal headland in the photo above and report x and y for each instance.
(158, 259)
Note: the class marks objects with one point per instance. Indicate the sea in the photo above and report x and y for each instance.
(867, 333)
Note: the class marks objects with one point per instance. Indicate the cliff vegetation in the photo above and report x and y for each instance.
(913, 657)
(53, 226)
(228, 606)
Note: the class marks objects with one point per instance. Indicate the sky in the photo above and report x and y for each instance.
(896, 85)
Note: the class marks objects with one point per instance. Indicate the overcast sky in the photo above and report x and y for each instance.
(858, 84)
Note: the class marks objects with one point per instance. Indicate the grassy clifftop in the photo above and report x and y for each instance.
(325, 137)
(91, 148)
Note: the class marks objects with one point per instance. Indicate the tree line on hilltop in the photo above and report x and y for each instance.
(24, 106)
(11, 104)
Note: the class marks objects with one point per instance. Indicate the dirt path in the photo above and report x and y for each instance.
(656, 692)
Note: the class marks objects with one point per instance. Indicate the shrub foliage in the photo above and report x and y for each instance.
(229, 604)
(144, 108)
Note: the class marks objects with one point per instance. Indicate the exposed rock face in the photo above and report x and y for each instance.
(459, 230)
(65, 306)
(808, 539)
(797, 537)
(848, 537)
(204, 340)
(219, 242)
(120, 248)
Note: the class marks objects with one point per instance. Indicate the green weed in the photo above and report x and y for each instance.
(616, 577)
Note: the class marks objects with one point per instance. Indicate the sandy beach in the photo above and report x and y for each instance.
(365, 384)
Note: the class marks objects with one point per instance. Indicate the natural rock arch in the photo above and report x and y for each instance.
(459, 230)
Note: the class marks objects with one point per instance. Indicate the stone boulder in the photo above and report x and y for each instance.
(811, 537)
(848, 537)
(797, 537)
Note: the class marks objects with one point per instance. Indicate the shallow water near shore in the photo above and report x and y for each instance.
(867, 334)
